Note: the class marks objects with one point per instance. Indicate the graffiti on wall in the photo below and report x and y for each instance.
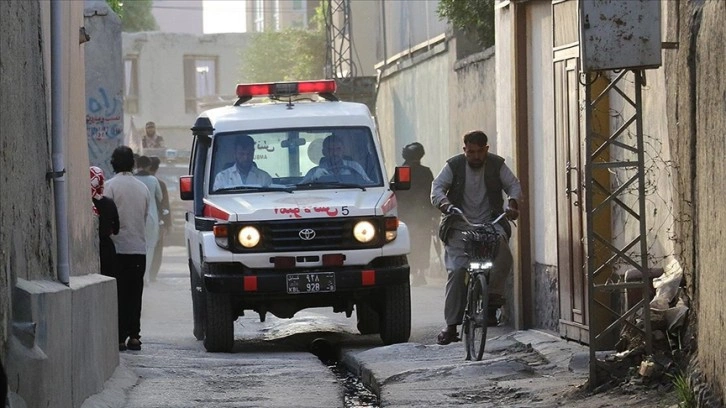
(104, 127)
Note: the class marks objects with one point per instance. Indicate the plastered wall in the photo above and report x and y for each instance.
(696, 92)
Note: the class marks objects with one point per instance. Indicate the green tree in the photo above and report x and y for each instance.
(473, 17)
(115, 6)
(135, 14)
(292, 54)
(289, 55)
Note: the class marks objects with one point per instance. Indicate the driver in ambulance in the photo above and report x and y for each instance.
(244, 172)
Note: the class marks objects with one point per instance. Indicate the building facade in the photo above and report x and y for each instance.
(278, 15)
(170, 78)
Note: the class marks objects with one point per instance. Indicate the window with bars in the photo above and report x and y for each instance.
(200, 81)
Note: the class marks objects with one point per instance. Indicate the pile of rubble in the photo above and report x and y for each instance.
(629, 366)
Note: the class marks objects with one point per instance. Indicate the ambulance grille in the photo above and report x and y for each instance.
(329, 234)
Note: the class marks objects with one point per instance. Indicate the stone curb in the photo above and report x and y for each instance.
(561, 354)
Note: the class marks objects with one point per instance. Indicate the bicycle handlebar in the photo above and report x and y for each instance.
(463, 217)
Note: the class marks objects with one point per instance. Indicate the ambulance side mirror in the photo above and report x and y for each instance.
(186, 189)
(401, 178)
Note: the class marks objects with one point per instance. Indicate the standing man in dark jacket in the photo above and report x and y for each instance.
(473, 183)
(417, 212)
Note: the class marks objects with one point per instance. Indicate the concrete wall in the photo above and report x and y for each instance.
(407, 23)
(412, 105)
(697, 104)
(104, 84)
(161, 77)
(429, 96)
(363, 20)
(659, 215)
(710, 219)
(473, 104)
(543, 192)
(65, 344)
(502, 141)
(26, 232)
(57, 341)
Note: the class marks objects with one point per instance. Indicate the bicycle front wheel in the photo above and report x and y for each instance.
(476, 321)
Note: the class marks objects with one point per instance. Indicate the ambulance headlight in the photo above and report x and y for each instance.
(364, 232)
(249, 237)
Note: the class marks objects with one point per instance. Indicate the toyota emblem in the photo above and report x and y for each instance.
(306, 234)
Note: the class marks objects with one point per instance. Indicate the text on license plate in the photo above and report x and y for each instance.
(310, 282)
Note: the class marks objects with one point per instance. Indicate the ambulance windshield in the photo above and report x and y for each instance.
(294, 159)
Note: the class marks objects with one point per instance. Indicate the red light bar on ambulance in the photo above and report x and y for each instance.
(286, 88)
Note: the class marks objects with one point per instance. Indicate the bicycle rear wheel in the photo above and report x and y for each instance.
(476, 319)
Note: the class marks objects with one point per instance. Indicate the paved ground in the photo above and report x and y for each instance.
(519, 369)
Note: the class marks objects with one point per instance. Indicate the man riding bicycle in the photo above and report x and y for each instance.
(473, 183)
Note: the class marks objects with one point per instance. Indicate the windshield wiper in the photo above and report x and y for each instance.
(316, 184)
(255, 189)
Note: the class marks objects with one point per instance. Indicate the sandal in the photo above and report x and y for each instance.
(447, 337)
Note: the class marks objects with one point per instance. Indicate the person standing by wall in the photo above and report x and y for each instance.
(133, 201)
(417, 212)
(473, 183)
(152, 139)
(143, 164)
(164, 219)
(108, 223)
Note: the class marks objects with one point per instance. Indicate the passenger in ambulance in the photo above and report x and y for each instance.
(333, 163)
(244, 171)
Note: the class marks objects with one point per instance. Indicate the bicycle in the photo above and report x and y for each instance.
(481, 246)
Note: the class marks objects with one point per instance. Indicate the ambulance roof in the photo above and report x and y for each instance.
(280, 114)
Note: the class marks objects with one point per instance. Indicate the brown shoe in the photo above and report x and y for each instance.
(122, 346)
(134, 344)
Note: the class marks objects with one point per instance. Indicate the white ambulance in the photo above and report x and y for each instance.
(292, 209)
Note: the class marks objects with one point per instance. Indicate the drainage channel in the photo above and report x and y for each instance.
(355, 393)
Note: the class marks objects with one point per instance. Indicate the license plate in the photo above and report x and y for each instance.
(310, 282)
